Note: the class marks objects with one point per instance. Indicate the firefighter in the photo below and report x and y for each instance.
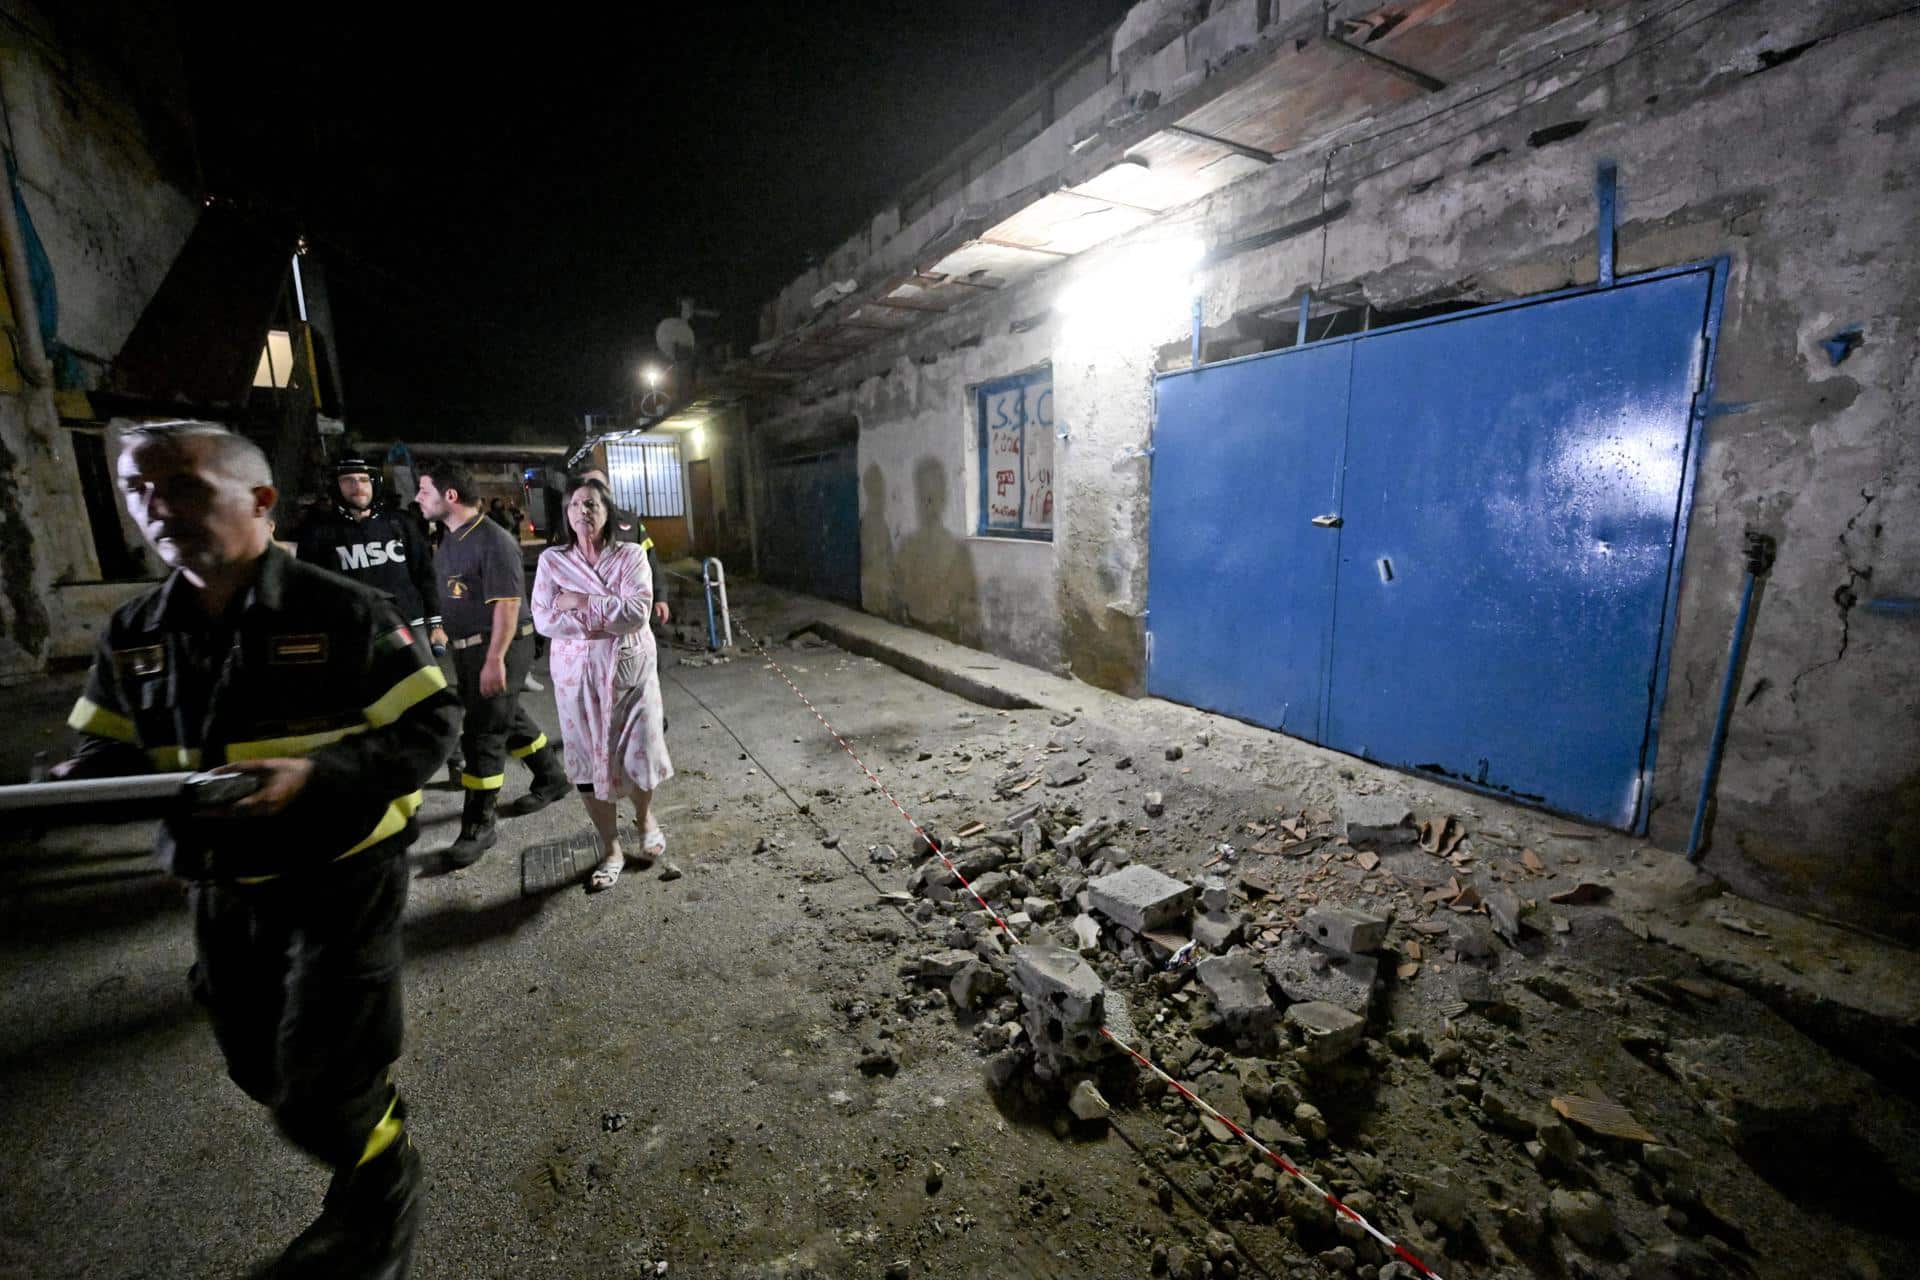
(250, 661)
(377, 545)
(384, 547)
(482, 586)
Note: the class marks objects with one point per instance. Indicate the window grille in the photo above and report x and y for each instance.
(645, 472)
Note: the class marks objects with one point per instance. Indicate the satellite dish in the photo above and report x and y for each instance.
(674, 337)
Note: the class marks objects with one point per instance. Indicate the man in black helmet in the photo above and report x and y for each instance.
(377, 546)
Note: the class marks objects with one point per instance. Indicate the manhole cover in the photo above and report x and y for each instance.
(559, 863)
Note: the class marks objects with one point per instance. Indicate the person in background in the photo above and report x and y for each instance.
(594, 596)
(497, 512)
(481, 588)
(247, 661)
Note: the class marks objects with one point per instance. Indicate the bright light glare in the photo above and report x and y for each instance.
(1147, 276)
(697, 439)
(650, 374)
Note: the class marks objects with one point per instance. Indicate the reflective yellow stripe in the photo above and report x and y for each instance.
(491, 783)
(89, 716)
(391, 823)
(168, 758)
(383, 1134)
(299, 745)
(395, 702)
(530, 748)
(646, 544)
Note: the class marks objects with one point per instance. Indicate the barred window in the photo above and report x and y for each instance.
(645, 475)
(1016, 455)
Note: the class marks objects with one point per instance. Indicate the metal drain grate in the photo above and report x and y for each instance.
(559, 863)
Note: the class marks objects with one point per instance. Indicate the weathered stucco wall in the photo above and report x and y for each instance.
(96, 105)
(1785, 141)
(1779, 135)
(97, 129)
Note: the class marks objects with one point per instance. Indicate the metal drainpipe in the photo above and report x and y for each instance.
(34, 365)
(1760, 550)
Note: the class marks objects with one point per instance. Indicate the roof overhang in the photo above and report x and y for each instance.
(1289, 93)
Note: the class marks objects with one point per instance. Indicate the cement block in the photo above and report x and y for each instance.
(1309, 973)
(1140, 898)
(1217, 930)
(1345, 929)
(1056, 979)
(1085, 838)
(1215, 894)
(1063, 1004)
(1377, 820)
(1086, 933)
(992, 885)
(1239, 990)
(942, 965)
(1328, 1031)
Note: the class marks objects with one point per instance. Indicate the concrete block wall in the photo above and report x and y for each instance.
(1780, 135)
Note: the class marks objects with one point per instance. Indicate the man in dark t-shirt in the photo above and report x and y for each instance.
(482, 589)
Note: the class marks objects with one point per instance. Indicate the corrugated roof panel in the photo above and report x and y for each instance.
(1304, 92)
(1065, 223)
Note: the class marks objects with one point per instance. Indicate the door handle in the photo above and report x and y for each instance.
(1326, 522)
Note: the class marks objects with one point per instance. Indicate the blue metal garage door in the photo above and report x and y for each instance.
(1507, 497)
(810, 526)
(1241, 582)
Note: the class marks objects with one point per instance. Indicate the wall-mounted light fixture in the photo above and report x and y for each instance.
(1149, 280)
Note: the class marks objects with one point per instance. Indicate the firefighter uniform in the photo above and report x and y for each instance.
(385, 549)
(296, 915)
(478, 564)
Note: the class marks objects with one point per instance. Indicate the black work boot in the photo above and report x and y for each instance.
(549, 783)
(366, 1227)
(477, 833)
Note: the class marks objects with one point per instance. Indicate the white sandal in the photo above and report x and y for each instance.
(607, 874)
(655, 842)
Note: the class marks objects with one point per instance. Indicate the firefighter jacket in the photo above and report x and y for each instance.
(387, 551)
(306, 664)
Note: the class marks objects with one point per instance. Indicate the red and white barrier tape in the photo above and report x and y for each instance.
(1278, 1161)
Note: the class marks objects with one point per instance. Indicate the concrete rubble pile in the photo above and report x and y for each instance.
(1287, 1009)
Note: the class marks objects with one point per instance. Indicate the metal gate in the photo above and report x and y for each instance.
(1451, 547)
(810, 525)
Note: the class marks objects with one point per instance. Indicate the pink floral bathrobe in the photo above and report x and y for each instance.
(605, 676)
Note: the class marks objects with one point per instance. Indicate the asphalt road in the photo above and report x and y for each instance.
(663, 1073)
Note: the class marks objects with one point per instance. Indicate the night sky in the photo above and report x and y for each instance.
(506, 211)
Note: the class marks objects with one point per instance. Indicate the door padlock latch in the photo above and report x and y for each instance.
(1327, 522)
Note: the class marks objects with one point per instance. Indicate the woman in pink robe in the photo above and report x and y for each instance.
(592, 597)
